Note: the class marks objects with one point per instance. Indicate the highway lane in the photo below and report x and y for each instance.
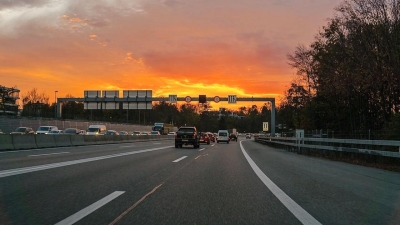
(211, 185)
(334, 192)
(34, 157)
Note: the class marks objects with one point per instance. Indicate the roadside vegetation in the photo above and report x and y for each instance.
(348, 78)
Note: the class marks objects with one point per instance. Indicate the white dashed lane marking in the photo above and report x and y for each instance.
(177, 160)
(91, 208)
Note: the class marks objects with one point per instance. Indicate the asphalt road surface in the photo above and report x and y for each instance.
(154, 183)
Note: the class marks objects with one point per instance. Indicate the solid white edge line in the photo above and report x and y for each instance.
(12, 172)
(302, 215)
(177, 160)
(91, 208)
(56, 153)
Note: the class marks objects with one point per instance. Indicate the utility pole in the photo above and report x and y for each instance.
(55, 104)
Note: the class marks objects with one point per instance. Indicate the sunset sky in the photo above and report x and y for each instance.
(183, 47)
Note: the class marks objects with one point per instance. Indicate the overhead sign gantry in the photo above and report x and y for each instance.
(142, 99)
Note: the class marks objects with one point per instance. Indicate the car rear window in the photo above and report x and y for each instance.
(186, 129)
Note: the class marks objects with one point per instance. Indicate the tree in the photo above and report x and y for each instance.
(351, 70)
(36, 104)
(189, 115)
(72, 110)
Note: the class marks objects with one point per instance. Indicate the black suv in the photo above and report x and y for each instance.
(187, 136)
(233, 137)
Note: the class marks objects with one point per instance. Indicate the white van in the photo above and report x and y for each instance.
(96, 130)
(45, 129)
(223, 136)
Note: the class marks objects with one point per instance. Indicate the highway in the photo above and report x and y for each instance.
(151, 182)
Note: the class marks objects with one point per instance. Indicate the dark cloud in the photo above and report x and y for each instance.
(22, 3)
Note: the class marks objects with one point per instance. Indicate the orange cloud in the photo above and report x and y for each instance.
(170, 47)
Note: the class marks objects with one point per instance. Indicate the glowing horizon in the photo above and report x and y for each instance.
(178, 47)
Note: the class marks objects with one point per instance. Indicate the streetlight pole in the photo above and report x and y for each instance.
(55, 104)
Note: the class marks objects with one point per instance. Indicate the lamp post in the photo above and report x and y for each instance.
(55, 104)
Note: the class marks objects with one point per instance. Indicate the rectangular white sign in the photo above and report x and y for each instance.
(129, 93)
(92, 94)
(111, 94)
(265, 126)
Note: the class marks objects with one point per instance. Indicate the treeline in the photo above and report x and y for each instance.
(349, 76)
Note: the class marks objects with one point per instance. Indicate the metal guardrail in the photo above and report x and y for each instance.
(385, 148)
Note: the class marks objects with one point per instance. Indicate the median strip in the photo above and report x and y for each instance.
(91, 208)
(12, 172)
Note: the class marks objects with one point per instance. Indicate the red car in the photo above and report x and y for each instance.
(211, 136)
(204, 138)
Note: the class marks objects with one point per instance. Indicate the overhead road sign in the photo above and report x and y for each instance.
(202, 99)
(232, 99)
(173, 98)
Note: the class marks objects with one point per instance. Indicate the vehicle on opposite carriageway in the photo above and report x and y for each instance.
(96, 130)
(155, 132)
(72, 131)
(23, 130)
(46, 129)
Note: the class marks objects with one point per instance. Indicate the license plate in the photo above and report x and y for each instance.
(184, 140)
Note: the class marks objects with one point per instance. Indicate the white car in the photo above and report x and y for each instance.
(155, 133)
(45, 129)
(223, 136)
(171, 133)
(137, 133)
(55, 132)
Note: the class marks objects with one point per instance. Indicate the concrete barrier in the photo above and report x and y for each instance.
(110, 139)
(101, 140)
(45, 140)
(6, 142)
(63, 140)
(24, 141)
(78, 140)
(118, 138)
(89, 139)
(125, 138)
